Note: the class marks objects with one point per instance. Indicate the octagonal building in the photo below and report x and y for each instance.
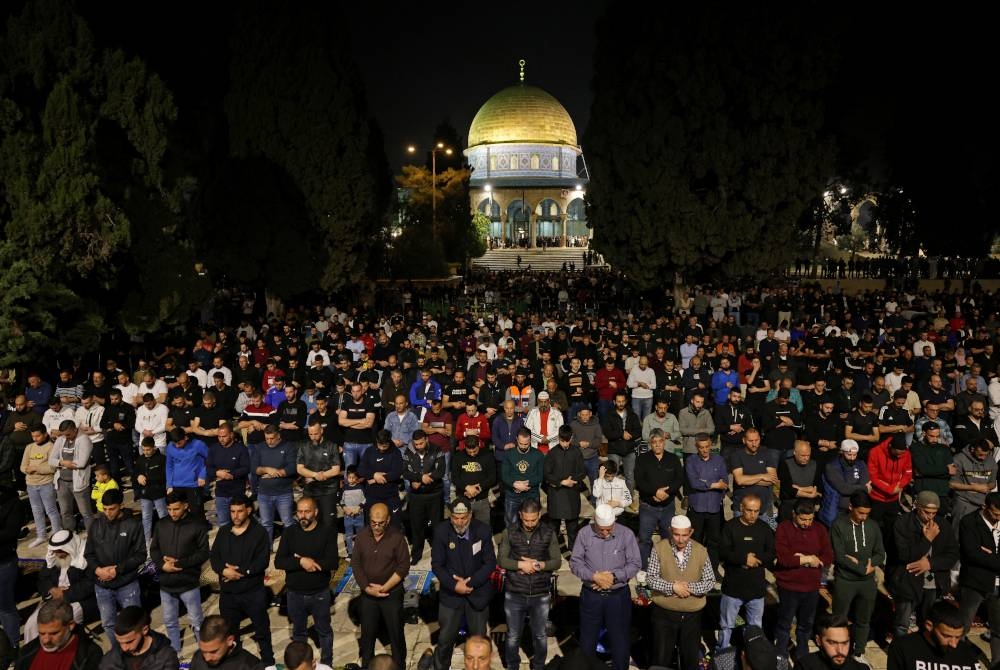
(528, 172)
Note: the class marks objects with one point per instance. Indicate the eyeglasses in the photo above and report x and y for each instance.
(373, 522)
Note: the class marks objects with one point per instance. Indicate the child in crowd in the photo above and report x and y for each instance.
(102, 482)
(611, 489)
(353, 501)
(151, 485)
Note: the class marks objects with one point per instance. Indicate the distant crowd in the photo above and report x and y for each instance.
(750, 445)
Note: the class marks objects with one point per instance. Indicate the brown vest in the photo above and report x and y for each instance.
(671, 573)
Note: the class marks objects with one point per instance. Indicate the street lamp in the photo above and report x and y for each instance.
(434, 152)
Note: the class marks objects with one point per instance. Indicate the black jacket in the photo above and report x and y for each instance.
(736, 542)
(415, 467)
(159, 657)
(187, 541)
(120, 543)
(250, 552)
(319, 544)
(88, 654)
(155, 470)
(123, 414)
(12, 517)
(614, 430)
(81, 588)
(911, 545)
(652, 473)
(978, 552)
(474, 557)
(564, 501)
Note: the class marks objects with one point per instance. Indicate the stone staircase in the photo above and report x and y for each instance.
(549, 260)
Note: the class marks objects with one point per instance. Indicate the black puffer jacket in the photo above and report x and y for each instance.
(120, 543)
(186, 540)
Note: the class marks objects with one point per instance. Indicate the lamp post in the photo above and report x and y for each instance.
(434, 152)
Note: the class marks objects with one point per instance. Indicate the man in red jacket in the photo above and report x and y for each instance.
(802, 549)
(608, 381)
(891, 470)
(472, 423)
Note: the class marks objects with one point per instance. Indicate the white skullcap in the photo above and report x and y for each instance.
(604, 515)
(850, 446)
(680, 522)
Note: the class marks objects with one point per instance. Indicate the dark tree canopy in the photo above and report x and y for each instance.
(82, 139)
(296, 99)
(705, 144)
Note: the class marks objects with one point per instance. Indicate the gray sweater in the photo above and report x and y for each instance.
(971, 471)
(587, 432)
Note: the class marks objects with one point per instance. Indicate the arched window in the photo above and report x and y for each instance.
(576, 210)
(534, 161)
(490, 208)
(517, 212)
(548, 210)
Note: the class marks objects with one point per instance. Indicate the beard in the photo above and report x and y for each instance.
(305, 523)
(52, 648)
(63, 563)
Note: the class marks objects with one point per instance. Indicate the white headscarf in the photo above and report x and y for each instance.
(67, 541)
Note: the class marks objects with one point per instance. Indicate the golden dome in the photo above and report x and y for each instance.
(522, 113)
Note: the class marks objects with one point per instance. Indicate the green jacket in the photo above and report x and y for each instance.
(862, 542)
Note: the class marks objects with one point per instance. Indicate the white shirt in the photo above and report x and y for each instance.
(227, 374)
(355, 347)
(313, 353)
(893, 382)
(51, 419)
(918, 348)
(129, 393)
(154, 420)
(90, 418)
(639, 375)
(201, 377)
(159, 388)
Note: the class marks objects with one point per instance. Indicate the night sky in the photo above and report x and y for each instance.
(423, 64)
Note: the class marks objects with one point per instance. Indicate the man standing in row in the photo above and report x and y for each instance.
(529, 552)
(179, 549)
(605, 557)
(116, 547)
(240, 556)
(659, 477)
(925, 552)
(680, 575)
(308, 555)
(803, 551)
(463, 559)
(380, 563)
(747, 550)
(857, 550)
